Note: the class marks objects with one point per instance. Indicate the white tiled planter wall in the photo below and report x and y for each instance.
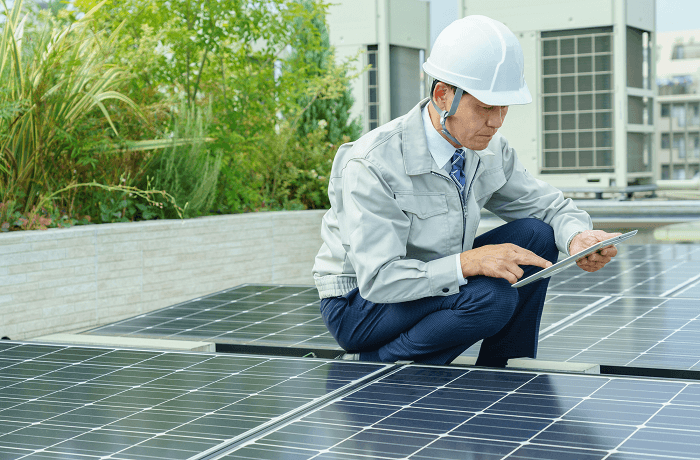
(67, 279)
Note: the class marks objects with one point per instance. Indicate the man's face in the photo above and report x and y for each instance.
(474, 123)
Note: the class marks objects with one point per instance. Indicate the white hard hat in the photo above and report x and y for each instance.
(483, 57)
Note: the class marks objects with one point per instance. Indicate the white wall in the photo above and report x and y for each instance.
(68, 279)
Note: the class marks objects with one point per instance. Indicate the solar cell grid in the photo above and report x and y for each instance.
(423, 412)
(78, 402)
(660, 333)
(627, 277)
(249, 314)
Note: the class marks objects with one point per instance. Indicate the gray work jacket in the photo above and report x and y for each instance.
(397, 219)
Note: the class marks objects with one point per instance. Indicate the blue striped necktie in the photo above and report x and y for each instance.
(457, 173)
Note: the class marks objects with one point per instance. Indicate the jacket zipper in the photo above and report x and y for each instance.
(469, 190)
(462, 197)
(461, 201)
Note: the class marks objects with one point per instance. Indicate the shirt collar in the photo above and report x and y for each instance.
(440, 149)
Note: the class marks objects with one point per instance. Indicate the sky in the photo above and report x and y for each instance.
(671, 15)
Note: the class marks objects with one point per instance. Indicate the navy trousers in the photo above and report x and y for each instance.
(435, 330)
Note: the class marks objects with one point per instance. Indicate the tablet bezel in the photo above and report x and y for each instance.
(566, 263)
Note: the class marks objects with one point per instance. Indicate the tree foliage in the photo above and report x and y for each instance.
(225, 105)
(266, 68)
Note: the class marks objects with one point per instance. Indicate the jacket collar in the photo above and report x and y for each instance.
(416, 155)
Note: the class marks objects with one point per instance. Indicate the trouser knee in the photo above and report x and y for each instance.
(540, 238)
(491, 310)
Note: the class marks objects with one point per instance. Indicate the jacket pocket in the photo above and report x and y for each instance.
(427, 237)
(488, 183)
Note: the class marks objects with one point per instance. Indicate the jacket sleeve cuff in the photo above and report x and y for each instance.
(460, 277)
(571, 238)
(443, 277)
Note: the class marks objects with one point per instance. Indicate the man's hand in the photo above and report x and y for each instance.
(499, 261)
(598, 259)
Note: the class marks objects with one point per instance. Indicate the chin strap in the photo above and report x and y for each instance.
(452, 111)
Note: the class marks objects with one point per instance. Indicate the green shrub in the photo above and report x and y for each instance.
(54, 81)
(188, 172)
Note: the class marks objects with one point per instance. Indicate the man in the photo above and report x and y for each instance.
(400, 273)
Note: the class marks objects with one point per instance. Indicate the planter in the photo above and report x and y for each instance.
(70, 279)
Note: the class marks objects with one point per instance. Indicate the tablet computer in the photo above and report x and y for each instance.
(571, 260)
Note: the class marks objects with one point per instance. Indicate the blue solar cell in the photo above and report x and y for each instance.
(376, 443)
(417, 420)
(622, 412)
(313, 437)
(282, 453)
(540, 452)
(639, 390)
(454, 448)
(384, 393)
(351, 414)
(531, 405)
(677, 442)
(426, 376)
(490, 380)
(601, 436)
(675, 417)
(460, 400)
(562, 385)
(689, 396)
(501, 427)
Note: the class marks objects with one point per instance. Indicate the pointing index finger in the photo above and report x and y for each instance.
(527, 257)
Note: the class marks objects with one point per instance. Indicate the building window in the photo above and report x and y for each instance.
(372, 87)
(678, 114)
(665, 172)
(665, 141)
(577, 98)
(679, 145)
(665, 110)
(693, 114)
(679, 172)
(686, 51)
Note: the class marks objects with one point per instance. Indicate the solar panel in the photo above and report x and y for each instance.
(255, 308)
(422, 412)
(631, 331)
(558, 309)
(627, 277)
(78, 402)
(581, 321)
(263, 315)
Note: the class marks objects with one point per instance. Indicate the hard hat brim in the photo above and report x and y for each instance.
(520, 97)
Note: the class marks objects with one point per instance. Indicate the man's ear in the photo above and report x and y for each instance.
(441, 95)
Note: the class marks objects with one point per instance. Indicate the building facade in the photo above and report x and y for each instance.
(678, 126)
(589, 68)
(390, 38)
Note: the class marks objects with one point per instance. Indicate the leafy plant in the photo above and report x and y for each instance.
(188, 172)
(50, 85)
(265, 66)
